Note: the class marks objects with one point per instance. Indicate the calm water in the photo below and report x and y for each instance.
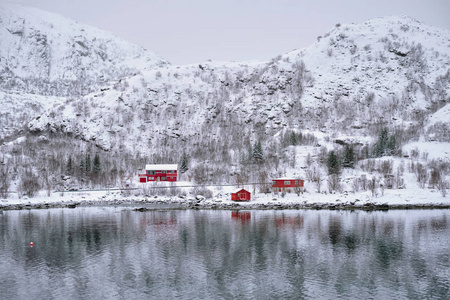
(117, 253)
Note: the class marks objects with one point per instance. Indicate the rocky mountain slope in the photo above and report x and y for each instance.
(44, 54)
(78, 90)
(389, 72)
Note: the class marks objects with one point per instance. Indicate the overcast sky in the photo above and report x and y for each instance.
(192, 31)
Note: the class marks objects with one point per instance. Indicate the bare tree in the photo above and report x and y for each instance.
(314, 175)
(386, 167)
(334, 183)
(355, 184)
(421, 175)
(263, 186)
(364, 182)
(373, 184)
(435, 177)
(442, 186)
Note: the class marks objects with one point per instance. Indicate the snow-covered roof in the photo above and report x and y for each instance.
(287, 178)
(161, 167)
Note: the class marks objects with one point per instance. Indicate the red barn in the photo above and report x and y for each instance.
(287, 185)
(159, 173)
(241, 195)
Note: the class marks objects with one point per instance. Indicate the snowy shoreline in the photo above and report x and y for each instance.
(141, 206)
(392, 199)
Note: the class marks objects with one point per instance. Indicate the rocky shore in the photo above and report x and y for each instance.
(148, 204)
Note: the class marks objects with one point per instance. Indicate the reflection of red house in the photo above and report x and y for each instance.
(243, 216)
(241, 195)
(290, 221)
(159, 173)
(287, 185)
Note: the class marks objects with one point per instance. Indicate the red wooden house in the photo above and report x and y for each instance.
(287, 185)
(159, 173)
(241, 195)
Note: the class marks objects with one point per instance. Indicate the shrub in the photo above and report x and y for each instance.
(202, 191)
(29, 184)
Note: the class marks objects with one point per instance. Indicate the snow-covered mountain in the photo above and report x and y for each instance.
(47, 54)
(44, 54)
(391, 72)
(388, 72)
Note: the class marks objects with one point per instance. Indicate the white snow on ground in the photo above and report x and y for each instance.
(222, 196)
(432, 150)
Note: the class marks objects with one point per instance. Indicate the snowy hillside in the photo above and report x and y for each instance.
(392, 72)
(379, 88)
(44, 54)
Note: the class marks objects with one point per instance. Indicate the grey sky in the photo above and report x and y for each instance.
(192, 31)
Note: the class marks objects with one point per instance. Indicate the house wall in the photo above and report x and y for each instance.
(242, 195)
(287, 185)
(160, 175)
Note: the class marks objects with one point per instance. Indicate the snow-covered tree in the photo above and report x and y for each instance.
(258, 155)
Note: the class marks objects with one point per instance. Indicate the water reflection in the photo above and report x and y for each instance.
(120, 253)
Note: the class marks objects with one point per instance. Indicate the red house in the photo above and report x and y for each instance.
(287, 185)
(159, 173)
(241, 195)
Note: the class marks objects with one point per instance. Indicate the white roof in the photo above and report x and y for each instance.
(161, 167)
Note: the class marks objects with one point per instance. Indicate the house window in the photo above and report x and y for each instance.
(163, 178)
(150, 172)
(151, 178)
(287, 182)
(296, 182)
(274, 183)
(164, 172)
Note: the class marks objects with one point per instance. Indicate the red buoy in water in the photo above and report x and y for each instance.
(31, 244)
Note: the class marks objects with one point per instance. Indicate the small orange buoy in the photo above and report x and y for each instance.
(31, 244)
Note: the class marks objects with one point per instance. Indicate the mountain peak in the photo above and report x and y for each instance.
(42, 47)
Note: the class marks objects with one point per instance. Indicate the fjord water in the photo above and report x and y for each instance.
(118, 253)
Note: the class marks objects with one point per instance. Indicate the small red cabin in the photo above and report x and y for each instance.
(287, 185)
(159, 173)
(241, 195)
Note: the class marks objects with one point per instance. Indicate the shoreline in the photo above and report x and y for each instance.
(143, 205)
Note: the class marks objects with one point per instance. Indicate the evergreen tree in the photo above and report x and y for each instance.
(69, 165)
(391, 145)
(385, 144)
(184, 164)
(88, 163)
(294, 139)
(333, 164)
(96, 168)
(242, 158)
(349, 157)
(82, 167)
(258, 152)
